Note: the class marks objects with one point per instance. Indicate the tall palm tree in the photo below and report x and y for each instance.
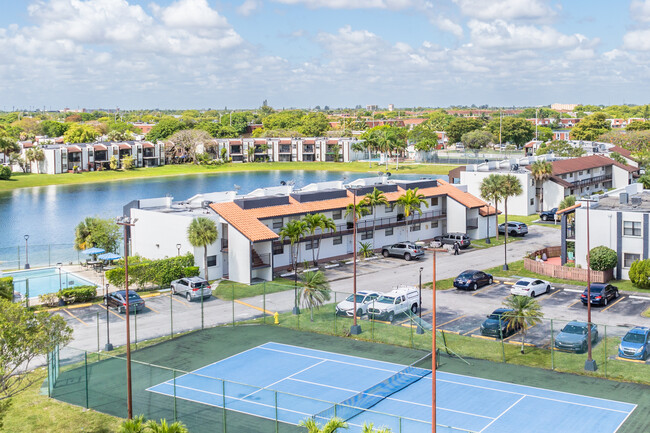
(360, 210)
(315, 290)
(372, 200)
(411, 201)
(331, 426)
(201, 233)
(314, 222)
(526, 313)
(510, 187)
(542, 171)
(490, 190)
(293, 230)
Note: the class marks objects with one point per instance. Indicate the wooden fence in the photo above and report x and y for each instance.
(567, 273)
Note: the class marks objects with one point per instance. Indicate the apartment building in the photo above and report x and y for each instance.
(289, 149)
(249, 248)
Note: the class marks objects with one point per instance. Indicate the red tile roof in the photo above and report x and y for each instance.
(623, 152)
(74, 149)
(147, 145)
(586, 162)
(99, 147)
(124, 146)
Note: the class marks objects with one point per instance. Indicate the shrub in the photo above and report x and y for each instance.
(127, 163)
(159, 272)
(113, 163)
(190, 271)
(49, 299)
(640, 274)
(5, 172)
(79, 294)
(7, 288)
(602, 258)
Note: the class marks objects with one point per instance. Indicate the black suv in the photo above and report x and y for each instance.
(548, 215)
(117, 300)
(451, 238)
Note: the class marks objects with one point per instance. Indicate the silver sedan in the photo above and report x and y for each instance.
(530, 287)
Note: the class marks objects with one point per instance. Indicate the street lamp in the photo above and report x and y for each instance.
(419, 329)
(127, 223)
(178, 247)
(108, 346)
(26, 252)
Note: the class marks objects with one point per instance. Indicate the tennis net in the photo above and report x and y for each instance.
(353, 406)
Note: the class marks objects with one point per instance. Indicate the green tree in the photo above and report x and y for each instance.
(163, 427)
(135, 425)
(644, 180)
(202, 232)
(510, 187)
(365, 249)
(372, 200)
(514, 130)
(186, 142)
(290, 119)
(80, 134)
(439, 120)
(315, 290)
(490, 190)
(26, 337)
(316, 222)
(602, 258)
(5, 172)
(541, 171)
(293, 230)
(113, 163)
(640, 274)
(642, 156)
(560, 148)
(477, 140)
(590, 127)
(314, 125)
(164, 129)
(119, 135)
(358, 211)
(460, 126)
(525, 313)
(618, 157)
(8, 146)
(411, 202)
(638, 126)
(330, 427)
(370, 428)
(212, 128)
(52, 128)
(425, 139)
(97, 232)
(34, 154)
(544, 133)
(127, 162)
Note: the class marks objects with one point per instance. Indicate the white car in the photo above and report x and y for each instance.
(530, 287)
(364, 298)
(395, 302)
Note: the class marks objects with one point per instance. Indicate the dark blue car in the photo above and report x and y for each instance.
(491, 325)
(548, 215)
(472, 280)
(635, 344)
(601, 294)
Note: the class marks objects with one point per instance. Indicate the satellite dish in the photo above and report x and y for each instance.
(283, 183)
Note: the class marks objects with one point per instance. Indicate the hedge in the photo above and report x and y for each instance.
(79, 294)
(157, 272)
(7, 288)
(602, 258)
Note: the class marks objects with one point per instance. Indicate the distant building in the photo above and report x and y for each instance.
(144, 127)
(391, 107)
(563, 107)
(372, 107)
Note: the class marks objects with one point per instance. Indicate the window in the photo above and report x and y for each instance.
(337, 240)
(629, 258)
(415, 227)
(588, 171)
(366, 235)
(336, 215)
(389, 208)
(434, 201)
(532, 201)
(277, 223)
(313, 244)
(632, 228)
(212, 261)
(278, 249)
(434, 224)
(580, 173)
(388, 232)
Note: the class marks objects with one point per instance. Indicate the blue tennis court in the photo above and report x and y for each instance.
(289, 383)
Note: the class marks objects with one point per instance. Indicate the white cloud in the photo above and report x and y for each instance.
(447, 25)
(249, 7)
(190, 14)
(353, 4)
(640, 10)
(637, 40)
(506, 9)
(503, 35)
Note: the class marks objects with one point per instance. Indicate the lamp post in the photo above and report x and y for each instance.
(127, 223)
(108, 346)
(355, 329)
(590, 363)
(61, 303)
(419, 329)
(178, 247)
(26, 252)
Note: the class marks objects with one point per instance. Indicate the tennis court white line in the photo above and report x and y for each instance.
(392, 399)
(625, 419)
(283, 379)
(503, 413)
(194, 372)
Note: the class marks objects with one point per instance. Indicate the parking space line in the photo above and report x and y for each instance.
(613, 303)
(472, 330)
(553, 293)
(179, 301)
(450, 332)
(152, 309)
(112, 312)
(574, 303)
(75, 317)
(253, 306)
(452, 320)
(482, 289)
(484, 337)
(518, 343)
(87, 304)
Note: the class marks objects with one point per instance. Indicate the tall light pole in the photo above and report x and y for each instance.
(419, 329)
(127, 223)
(108, 346)
(178, 248)
(355, 329)
(536, 121)
(590, 363)
(26, 252)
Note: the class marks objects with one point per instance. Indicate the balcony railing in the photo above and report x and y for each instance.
(308, 149)
(260, 260)
(285, 149)
(592, 180)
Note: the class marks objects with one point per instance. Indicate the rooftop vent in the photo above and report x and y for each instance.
(257, 202)
(304, 197)
(636, 201)
(623, 198)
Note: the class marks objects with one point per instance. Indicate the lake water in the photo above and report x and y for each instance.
(49, 214)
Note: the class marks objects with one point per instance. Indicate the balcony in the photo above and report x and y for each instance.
(260, 260)
(308, 149)
(236, 150)
(592, 181)
(471, 223)
(285, 149)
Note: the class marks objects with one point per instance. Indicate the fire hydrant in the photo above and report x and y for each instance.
(276, 318)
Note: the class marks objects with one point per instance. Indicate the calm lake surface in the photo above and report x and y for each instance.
(49, 214)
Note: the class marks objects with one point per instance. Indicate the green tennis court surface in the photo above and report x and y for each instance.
(102, 385)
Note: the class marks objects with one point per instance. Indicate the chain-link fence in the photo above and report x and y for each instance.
(14, 258)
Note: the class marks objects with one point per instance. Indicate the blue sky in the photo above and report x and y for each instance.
(302, 53)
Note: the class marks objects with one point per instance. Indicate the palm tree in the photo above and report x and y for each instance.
(526, 313)
(251, 153)
(510, 187)
(201, 233)
(365, 249)
(163, 427)
(294, 230)
(331, 426)
(542, 171)
(372, 200)
(135, 425)
(370, 428)
(315, 290)
(490, 190)
(644, 180)
(314, 222)
(411, 202)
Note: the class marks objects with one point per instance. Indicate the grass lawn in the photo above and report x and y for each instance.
(25, 180)
(527, 219)
(446, 284)
(32, 411)
(646, 313)
(480, 243)
(229, 290)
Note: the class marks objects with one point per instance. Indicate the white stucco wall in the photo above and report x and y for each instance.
(456, 216)
(239, 256)
(553, 194)
(519, 205)
(620, 177)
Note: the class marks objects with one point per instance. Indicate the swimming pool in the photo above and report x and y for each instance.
(45, 280)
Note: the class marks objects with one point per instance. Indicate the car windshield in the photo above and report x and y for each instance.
(596, 289)
(522, 283)
(386, 300)
(634, 338)
(575, 329)
(495, 316)
(351, 298)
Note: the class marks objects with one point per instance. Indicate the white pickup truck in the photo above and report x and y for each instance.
(395, 302)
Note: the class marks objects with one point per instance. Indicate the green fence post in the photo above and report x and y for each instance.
(264, 304)
(552, 348)
(86, 372)
(223, 403)
(49, 376)
(98, 332)
(605, 342)
(202, 324)
(232, 286)
(411, 333)
(503, 344)
(175, 418)
(171, 314)
(277, 426)
(27, 293)
(135, 323)
(400, 424)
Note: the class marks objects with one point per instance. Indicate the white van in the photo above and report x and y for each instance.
(397, 301)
